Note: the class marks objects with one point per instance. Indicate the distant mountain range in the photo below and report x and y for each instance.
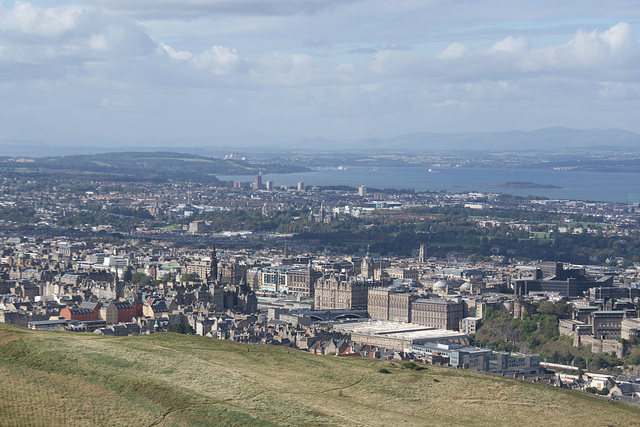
(550, 139)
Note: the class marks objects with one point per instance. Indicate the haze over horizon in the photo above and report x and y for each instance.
(167, 73)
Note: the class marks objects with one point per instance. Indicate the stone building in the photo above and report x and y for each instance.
(402, 273)
(321, 216)
(240, 298)
(400, 307)
(367, 269)
(437, 314)
(422, 253)
(86, 311)
(630, 329)
(122, 311)
(207, 270)
(232, 273)
(201, 268)
(607, 325)
(340, 292)
(216, 298)
(378, 303)
(302, 281)
(288, 279)
(384, 303)
(602, 329)
(26, 289)
(469, 325)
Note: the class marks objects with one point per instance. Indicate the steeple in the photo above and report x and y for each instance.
(213, 269)
(422, 254)
(367, 268)
(117, 287)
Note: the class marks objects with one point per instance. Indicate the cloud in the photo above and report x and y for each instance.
(24, 18)
(616, 47)
(71, 35)
(454, 51)
(602, 53)
(304, 67)
(174, 54)
(619, 91)
(192, 9)
(375, 49)
(80, 35)
(363, 50)
(220, 60)
(287, 70)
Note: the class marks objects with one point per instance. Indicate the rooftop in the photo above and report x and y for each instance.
(402, 331)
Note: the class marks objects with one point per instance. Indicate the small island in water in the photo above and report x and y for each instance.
(520, 185)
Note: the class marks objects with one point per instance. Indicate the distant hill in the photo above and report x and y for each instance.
(548, 139)
(551, 139)
(159, 166)
(58, 378)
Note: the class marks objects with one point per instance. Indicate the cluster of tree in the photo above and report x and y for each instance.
(445, 229)
(502, 332)
(455, 231)
(141, 280)
(190, 277)
(538, 333)
(75, 219)
(24, 184)
(504, 214)
(157, 166)
(19, 215)
(182, 329)
(594, 249)
(79, 186)
(249, 219)
(603, 392)
(597, 165)
(129, 211)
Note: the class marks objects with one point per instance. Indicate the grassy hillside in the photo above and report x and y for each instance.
(168, 379)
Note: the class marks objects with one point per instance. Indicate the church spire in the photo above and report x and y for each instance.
(117, 287)
(213, 269)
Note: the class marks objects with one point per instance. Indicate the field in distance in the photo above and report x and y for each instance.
(59, 378)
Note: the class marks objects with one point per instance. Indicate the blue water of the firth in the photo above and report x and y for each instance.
(575, 185)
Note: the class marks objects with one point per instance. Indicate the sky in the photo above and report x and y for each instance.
(222, 72)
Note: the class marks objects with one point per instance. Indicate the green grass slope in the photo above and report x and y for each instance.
(167, 379)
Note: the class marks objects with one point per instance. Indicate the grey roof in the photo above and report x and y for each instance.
(159, 307)
(122, 304)
(88, 305)
(80, 311)
(432, 301)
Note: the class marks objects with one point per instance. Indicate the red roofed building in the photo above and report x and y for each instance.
(86, 311)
